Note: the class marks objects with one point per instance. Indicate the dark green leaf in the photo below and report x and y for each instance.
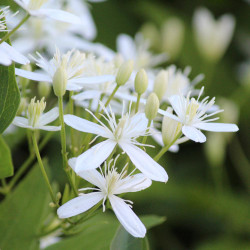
(6, 166)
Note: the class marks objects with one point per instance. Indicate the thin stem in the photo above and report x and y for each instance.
(63, 143)
(40, 163)
(137, 103)
(7, 36)
(71, 108)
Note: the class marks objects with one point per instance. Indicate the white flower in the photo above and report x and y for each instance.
(36, 119)
(36, 8)
(7, 52)
(108, 185)
(124, 133)
(213, 37)
(193, 115)
(73, 62)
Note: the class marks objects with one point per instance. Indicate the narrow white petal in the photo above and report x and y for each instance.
(94, 156)
(133, 183)
(49, 128)
(48, 117)
(21, 122)
(175, 101)
(86, 95)
(93, 79)
(166, 113)
(33, 75)
(4, 58)
(193, 134)
(79, 204)
(126, 46)
(145, 163)
(127, 217)
(73, 87)
(85, 125)
(217, 127)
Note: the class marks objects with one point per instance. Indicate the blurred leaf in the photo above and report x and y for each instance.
(6, 166)
(22, 213)
(124, 241)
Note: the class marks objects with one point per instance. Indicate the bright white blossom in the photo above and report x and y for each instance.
(36, 119)
(124, 133)
(108, 185)
(73, 62)
(194, 116)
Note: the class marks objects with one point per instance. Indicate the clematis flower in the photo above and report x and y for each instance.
(124, 133)
(36, 119)
(7, 52)
(36, 8)
(193, 116)
(73, 62)
(108, 185)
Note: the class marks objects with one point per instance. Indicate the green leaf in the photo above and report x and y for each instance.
(9, 94)
(22, 213)
(6, 166)
(124, 241)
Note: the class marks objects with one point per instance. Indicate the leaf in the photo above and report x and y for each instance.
(6, 166)
(22, 212)
(9, 94)
(124, 241)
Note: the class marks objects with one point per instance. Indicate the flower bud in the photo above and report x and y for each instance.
(161, 83)
(170, 129)
(60, 81)
(124, 72)
(22, 106)
(141, 82)
(118, 60)
(44, 89)
(152, 106)
(24, 82)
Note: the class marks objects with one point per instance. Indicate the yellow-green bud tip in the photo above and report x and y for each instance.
(152, 106)
(60, 81)
(161, 83)
(124, 72)
(141, 82)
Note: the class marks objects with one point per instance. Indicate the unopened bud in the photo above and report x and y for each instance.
(58, 196)
(152, 106)
(44, 89)
(52, 204)
(24, 82)
(60, 81)
(22, 106)
(171, 129)
(161, 83)
(141, 82)
(124, 72)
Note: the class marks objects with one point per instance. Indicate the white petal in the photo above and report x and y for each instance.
(145, 163)
(4, 58)
(193, 134)
(85, 125)
(86, 95)
(49, 117)
(94, 156)
(21, 122)
(14, 54)
(126, 46)
(94, 177)
(73, 87)
(174, 149)
(127, 217)
(93, 79)
(33, 75)
(49, 128)
(133, 183)
(79, 205)
(217, 127)
(166, 113)
(60, 15)
(175, 102)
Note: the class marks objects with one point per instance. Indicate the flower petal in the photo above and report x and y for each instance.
(95, 156)
(86, 95)
(33, 75)
(85, 125)
(4, 58)
(193, 134)
(133, 183)
(21, 122)
(217, 127)
(49, 128)
(79, 205)
(127, 217)
(93, 79)
(145, 163)
(49, 117)
(166, 113)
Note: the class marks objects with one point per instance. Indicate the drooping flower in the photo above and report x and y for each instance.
(193, 115)
(108, 185)
(36, 119)
(123, 133)
(73, 63)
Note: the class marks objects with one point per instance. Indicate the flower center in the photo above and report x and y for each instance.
(36, 4)
(35, 109)
(120, 127)
(191, 110)
(112, 178)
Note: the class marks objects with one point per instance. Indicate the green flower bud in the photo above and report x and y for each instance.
(152, 106)
(60, 81)
(141, 82)
(170, 129)
(161, 83)
(44, 89)
(124, 72)
(24, 82)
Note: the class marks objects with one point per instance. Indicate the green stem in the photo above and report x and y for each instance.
(40, 163)
(63, 143)
(7, 36)
(71, 107)
(137, 103)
